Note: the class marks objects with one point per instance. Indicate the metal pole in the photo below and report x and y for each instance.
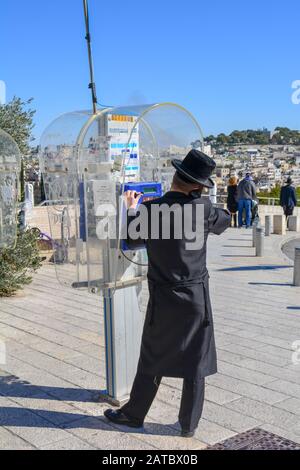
(267, 225)
(92, 84)
(296, 280)
(259, 243)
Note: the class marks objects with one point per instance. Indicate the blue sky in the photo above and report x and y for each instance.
(231, 62)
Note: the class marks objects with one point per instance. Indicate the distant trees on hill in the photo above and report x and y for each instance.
(281, 136)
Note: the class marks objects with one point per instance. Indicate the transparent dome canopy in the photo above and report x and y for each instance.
(85, 159)
(10, 164)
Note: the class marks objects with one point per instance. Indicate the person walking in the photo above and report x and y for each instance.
(178, 336)
(232, 199)
(288, 198)
(246, 194)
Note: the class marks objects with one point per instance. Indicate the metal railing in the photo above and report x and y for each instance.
(60, 202)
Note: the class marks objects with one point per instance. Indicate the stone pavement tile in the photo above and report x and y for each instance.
(283, 386)
(88, 363)
(247, 375)
(6, 402)
(276, 372)
(90, 408)
(276, 351)
(56, 411)
(247, 334)
(220, 396)
(291, 404)
(211, 433)
(281, 432)
(223, 338)
(226, 418)
(295, 367)
(81, 322)
(30, 427)
(245, 389)
(278, 333)
(171, 394)
(101, 435)
(54, 350)
(93, 350)
(274, 341)
(42, 379)
(8, 332)
(71, 443)
(162, 437)
(46, 363)
(232, 358)
(218, 415)
(238, 326)
(254, 354)
(230, 329)
(265, 413)
(85, 379)
(247, 343)
(9, 441)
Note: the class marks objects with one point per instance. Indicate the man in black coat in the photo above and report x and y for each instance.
(178, 337)
(288, 198)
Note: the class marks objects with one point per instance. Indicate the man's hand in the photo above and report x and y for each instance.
(131, 199)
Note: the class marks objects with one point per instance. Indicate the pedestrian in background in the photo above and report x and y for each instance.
(246, 194)
(232, 199)
(288, 197)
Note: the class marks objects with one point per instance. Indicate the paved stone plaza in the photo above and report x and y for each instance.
(49, 386)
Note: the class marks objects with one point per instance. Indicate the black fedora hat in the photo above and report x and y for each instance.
(197, 167)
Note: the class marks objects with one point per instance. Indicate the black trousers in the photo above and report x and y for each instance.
(233, 219)
(144, 390)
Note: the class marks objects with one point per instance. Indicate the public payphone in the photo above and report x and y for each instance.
(10, 161)
(88, 161)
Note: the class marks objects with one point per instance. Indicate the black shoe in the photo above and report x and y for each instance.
(187, 433)
(118, 417)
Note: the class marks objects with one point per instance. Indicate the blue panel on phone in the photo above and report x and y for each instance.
(152, 190)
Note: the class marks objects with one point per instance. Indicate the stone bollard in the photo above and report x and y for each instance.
(255, 224)
(259, 241)
(268, 228)
(293, 223)
(296, 280)
(279, 225)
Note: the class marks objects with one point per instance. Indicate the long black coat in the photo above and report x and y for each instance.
(232, 198)
(178, 336)
(288, 199)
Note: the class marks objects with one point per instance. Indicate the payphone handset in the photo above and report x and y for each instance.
(148, 190)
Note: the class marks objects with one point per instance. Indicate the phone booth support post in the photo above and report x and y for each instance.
(10, 166)
(87, 161)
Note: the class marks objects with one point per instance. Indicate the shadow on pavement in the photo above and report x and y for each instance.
(277, 284)
(256, 268)
(12, 386)
(36, 418)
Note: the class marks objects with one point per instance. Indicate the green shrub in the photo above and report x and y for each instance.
(18, 263)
